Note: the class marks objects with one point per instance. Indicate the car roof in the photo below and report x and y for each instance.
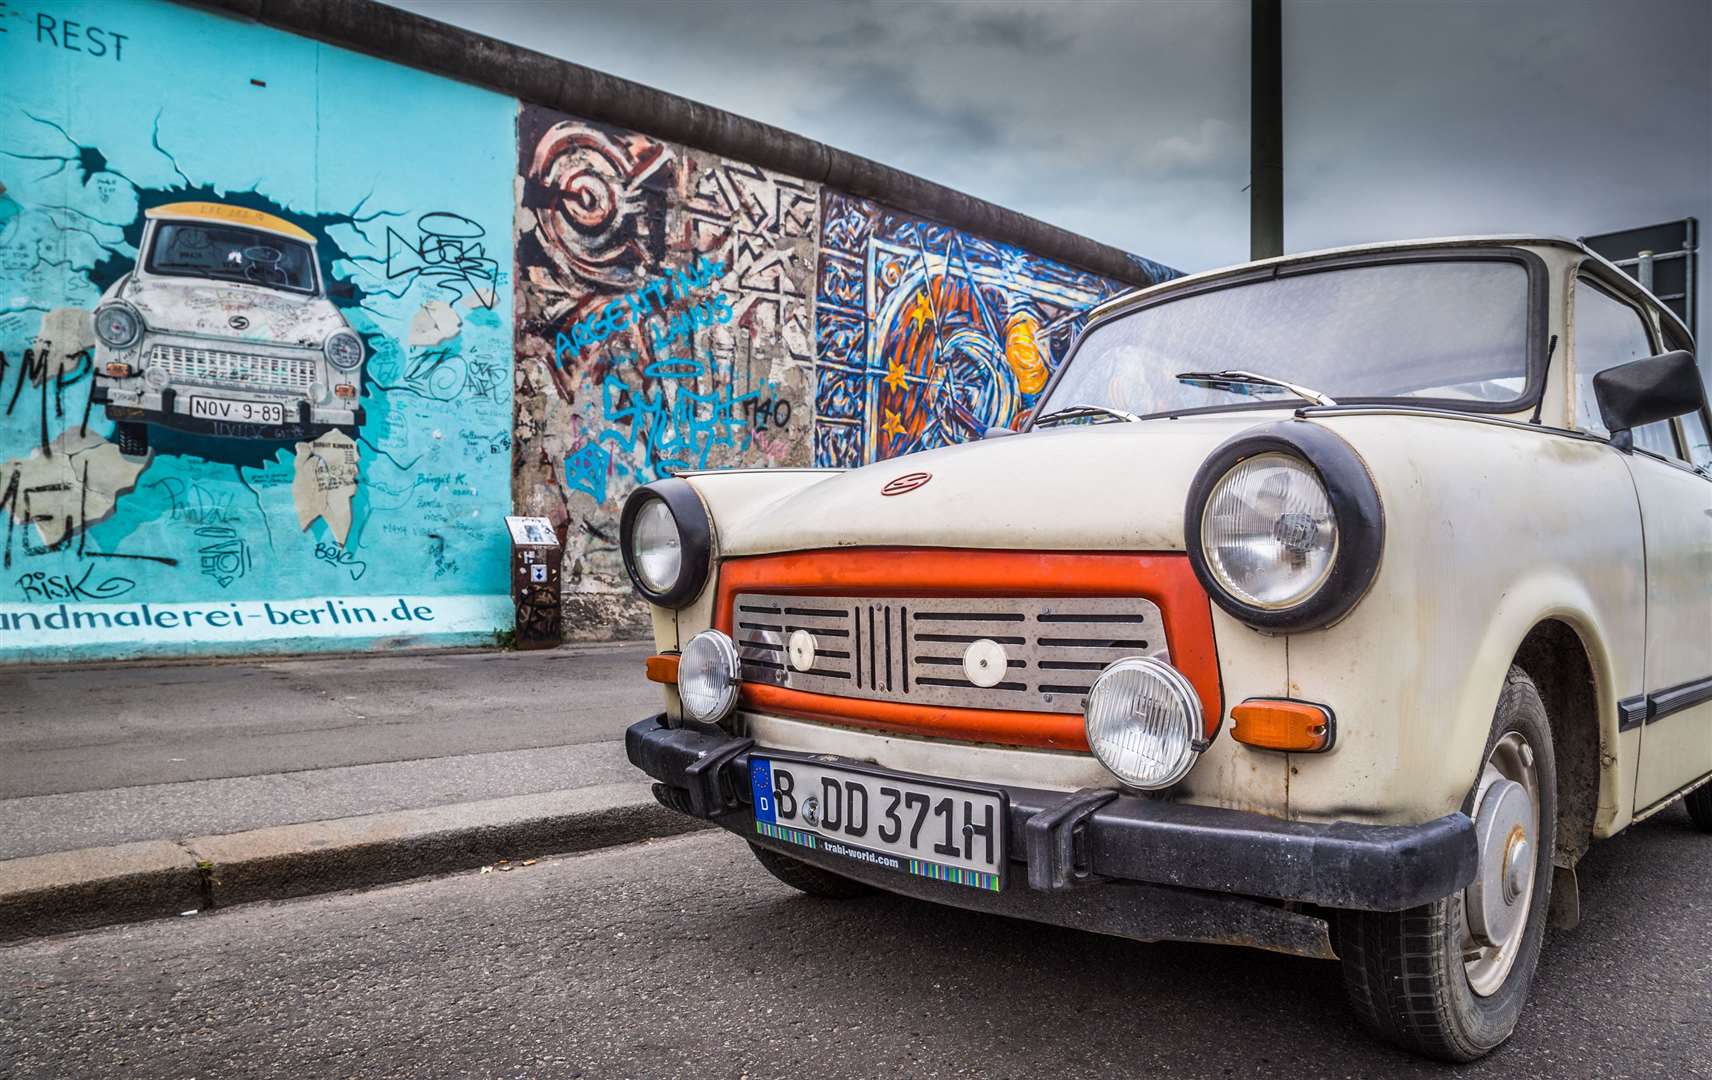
(234, 215)
(1124, 300)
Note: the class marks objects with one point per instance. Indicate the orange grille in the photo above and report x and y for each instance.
(1165, 579)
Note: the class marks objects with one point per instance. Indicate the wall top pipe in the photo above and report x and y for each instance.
(407, 38)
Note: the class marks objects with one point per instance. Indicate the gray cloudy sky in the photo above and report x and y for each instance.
(1127, 120)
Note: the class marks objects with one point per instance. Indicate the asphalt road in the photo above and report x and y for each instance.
(682, 958)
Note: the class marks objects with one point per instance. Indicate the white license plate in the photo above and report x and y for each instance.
(931, 829)
(238, 412)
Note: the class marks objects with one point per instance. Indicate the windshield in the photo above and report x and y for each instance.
(1452, 330)
(231, 253)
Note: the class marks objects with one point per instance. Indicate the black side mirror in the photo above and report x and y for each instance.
(1640, 392)
(341, 290)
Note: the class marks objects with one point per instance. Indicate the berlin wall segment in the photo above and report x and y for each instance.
(247, 210)
(674, 309)
(681, 310)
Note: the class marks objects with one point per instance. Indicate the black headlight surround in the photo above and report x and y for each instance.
(1355, 506)
(695, 533)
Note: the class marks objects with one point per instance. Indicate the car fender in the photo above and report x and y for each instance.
(1491, 529)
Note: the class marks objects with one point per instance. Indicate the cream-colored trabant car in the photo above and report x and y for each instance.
(1333, 604)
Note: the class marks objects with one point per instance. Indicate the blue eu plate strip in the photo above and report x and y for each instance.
(761, 789)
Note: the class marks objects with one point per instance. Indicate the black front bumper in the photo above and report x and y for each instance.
(300, 428)
(1104, 836)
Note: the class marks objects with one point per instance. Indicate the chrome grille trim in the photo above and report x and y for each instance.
(911, 649)
(220, 367)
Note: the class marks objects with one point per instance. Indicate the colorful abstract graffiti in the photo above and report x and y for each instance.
(928, 336)
(663, 324)
(253, 360)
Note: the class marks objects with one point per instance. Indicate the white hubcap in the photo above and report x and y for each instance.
(1496, 903)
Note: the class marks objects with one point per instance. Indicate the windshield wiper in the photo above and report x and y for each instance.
(1085, 412)
(1219, 380)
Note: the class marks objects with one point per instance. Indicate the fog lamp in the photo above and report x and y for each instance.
(708, 676)
(1143, 720)
(157, 377)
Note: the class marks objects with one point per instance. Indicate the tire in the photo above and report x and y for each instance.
(1404, 971)
(808, 879)
(132, 437)
(1699, 803)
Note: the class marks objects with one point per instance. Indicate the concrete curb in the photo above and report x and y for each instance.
(77, 890)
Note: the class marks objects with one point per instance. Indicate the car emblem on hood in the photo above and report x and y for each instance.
(238, 322)
(906, 483)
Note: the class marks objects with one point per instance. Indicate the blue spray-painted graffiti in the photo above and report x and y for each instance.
(675, 425)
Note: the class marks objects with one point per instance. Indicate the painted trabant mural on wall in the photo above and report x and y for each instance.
(228, 304)
(255, 361)
(1332, 605)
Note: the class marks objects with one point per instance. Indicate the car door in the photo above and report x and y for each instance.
(1676, 519)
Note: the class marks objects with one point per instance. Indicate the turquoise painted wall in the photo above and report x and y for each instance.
(233, 537)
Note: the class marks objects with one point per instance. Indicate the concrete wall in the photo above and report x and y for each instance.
(249, 537)
(593, 305)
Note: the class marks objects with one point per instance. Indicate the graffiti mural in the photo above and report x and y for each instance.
(928, 336)
(664, 324)
(254, 360)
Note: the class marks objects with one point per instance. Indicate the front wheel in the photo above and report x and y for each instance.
(1699, 803)
(1450, 979)
(132, 437)
(809, 879)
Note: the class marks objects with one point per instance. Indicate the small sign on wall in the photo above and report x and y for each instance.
(535, 531)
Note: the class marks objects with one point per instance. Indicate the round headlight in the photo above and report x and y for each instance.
(344, 349)
(1143, 721)
(656, 547)
(1284, 527)
(666, 539)
(1268, 532)
(118, 325)
(708, 676)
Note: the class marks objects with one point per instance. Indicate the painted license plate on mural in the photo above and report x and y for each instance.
(928, 828)
(238, 412)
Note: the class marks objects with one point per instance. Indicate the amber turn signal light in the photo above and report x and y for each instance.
(345, 390)
(116, 370)
(663, 669)
(1296, 727)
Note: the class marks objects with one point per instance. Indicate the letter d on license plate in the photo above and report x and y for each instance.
(929, 828)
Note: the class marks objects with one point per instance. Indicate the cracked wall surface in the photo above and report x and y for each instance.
(664, 324)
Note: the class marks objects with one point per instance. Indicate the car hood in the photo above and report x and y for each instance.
(209, 309)
(1118, 486)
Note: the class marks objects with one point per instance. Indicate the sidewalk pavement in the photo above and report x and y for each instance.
(135, 790)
